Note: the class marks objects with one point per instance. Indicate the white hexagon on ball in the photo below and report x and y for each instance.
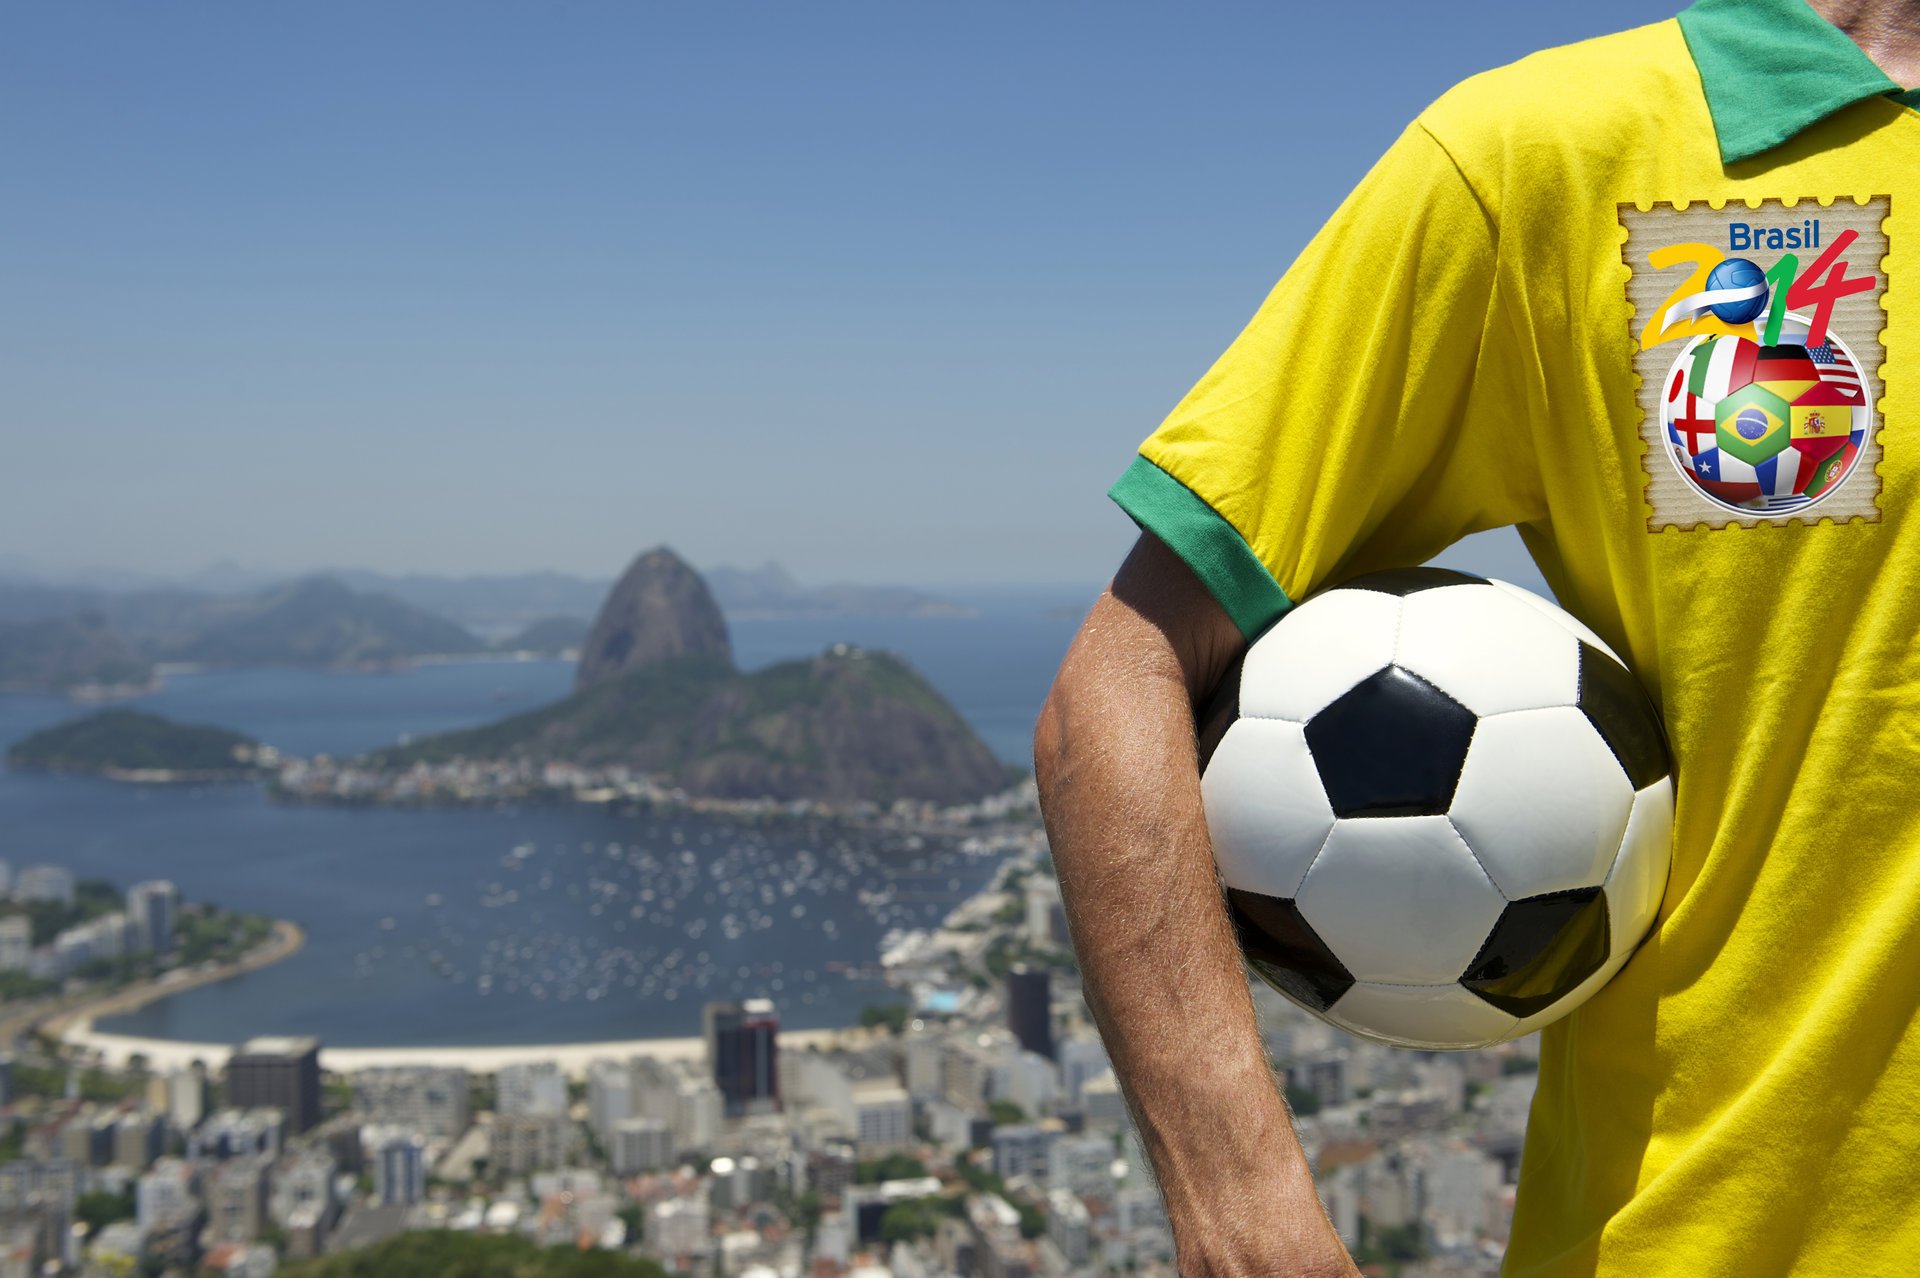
(1267, 813)
(1638, 879)
(1399, 899)
(1316, 653)
(1542, 801)
(1488, 650)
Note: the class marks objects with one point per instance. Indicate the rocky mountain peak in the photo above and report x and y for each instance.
(659, 609)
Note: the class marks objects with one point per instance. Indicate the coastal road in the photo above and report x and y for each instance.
(59, 1017)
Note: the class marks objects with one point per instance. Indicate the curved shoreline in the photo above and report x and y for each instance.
(73, 1027)
(287, 940)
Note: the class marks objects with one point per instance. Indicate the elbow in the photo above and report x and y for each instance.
(1050, 738)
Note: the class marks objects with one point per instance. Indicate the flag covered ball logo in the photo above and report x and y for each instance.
(1757, 344)
(1766, 429)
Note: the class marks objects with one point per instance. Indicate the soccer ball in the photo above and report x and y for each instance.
(1440, 806)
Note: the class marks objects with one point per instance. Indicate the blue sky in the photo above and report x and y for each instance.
(887, 292)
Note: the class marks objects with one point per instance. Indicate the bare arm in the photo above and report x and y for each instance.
(1119, 784)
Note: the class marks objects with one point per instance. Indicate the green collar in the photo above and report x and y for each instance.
(1771, 68)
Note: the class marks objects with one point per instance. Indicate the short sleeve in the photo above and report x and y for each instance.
(1371, 413)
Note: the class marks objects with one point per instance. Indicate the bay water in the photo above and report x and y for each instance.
(542, 924)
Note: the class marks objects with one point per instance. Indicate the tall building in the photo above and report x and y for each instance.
(303, 1183)
(640, 1145)
(237, 1199)
(16, 943)
(655, 1088)
(609, 1097)
(187, 1096)
(151, 910)
(168, 1194)
(1082, 1057)
(86, 1140)
(400, 1166)
(427, 1099)
(743, 1051)
(697, 1112)
(883, 1119)
(238, 1133)
(44, 883)
(535, 1090)
(1023, 1150)
(924, 1048)
(139, 1138)
(1030, 1008)
(677, 1229)
(518, 1144)
(279, 1073)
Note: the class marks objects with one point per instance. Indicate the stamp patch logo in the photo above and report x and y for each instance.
(1757, 342)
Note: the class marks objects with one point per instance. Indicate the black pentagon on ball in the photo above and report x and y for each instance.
(1286, 952)
(1391, 745)
(1408, 581)
(1540, 950)
(1620, 711)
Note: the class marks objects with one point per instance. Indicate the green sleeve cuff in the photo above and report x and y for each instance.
(1209, 545)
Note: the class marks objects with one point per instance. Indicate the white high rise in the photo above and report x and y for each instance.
(187, 1096)
(399, 1165)
(536, 1090)
(44, 883)
(16, 943)
(152, 908)
(640, 1145)
(609, 1097)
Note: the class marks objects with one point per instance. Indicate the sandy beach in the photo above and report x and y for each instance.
(573, 1058)
(74, 1028)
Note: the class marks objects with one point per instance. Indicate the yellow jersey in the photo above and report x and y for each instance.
(1642, 298)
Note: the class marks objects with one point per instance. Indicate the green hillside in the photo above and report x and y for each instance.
(846, 725)
(117, 741)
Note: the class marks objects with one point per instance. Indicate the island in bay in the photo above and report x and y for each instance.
(131, 745)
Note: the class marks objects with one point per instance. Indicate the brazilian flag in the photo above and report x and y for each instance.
(1751, 423)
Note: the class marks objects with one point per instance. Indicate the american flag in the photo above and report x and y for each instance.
(1835, 369)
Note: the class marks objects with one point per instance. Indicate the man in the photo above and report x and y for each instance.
(1531, 313)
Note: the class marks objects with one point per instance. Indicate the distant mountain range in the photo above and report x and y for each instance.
(69, 641)
(318, 621)
(69, 654)
(62, 636)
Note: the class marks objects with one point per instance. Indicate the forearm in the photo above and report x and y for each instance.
(1163, 975)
